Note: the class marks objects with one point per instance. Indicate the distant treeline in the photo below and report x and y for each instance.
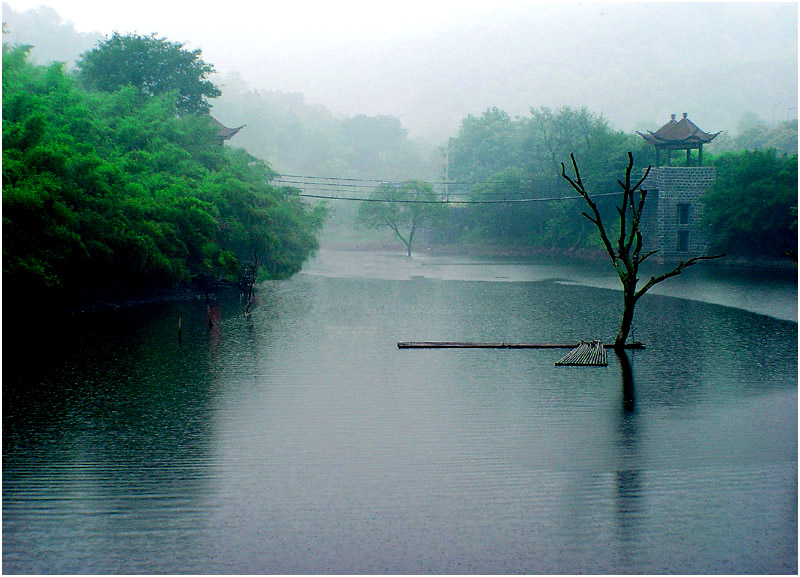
(121, 187)
(521, 157)
(299, 138)
(114, 179)
(751, 210)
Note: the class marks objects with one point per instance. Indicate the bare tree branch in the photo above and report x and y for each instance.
(641, 180)
(648, 255)
(577, 184)
(654, 280)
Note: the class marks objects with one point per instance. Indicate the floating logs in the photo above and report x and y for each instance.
(584, 353)
(503, 345)
(587, 354)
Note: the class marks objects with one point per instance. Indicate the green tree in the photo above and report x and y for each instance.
(378, 147)
(551, 135)
(107, 192)
(753, 132)
(404, 208)
(154, 65)
(53, 39)
(514, 222)
(751, 207)
(305, 139)
(484, 146)
(520, 159)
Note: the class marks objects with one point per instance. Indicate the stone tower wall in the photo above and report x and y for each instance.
(674, 212)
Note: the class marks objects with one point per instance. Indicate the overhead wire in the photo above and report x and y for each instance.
(334, 186)
(380, 181)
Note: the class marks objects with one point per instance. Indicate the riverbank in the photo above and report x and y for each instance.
(39, 318)
(35, 310)
(784, 265)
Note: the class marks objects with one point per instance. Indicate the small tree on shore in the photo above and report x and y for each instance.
(404, 208)
(627, 256)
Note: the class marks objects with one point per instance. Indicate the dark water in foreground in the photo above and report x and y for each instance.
(301, 440)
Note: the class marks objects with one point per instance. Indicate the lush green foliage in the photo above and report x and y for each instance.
(752, 207)
(299, 138)
(751, 210)
(108, 191)
(154, 65)
(404, 208)
(485, 146)
(520, 158)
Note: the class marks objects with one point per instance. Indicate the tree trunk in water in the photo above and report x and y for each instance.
(626, 256)
(628, 392)
(628, 305)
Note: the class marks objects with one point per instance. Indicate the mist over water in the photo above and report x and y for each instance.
(772, 293)
(301, 440)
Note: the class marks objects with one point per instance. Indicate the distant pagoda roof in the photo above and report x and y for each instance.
(678, 134)
(223, 132)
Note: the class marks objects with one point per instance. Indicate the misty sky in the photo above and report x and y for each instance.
(432, 63)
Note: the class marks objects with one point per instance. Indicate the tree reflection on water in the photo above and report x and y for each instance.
(629, 485)
(628, 396)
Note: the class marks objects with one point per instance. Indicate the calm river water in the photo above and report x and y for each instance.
(300, 439)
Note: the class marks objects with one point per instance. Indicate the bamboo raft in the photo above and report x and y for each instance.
(584, 353)
(502, 345)
(591, 354)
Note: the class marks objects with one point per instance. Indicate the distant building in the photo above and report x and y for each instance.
(223, 132)
(672, 220)
(678, 135)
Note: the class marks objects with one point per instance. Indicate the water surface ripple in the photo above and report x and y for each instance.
(301, 440)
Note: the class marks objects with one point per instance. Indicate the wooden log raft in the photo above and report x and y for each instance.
(502, 345)
(587, 354)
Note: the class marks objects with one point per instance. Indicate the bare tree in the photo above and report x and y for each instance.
(627, 256)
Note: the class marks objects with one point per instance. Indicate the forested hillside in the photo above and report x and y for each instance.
(107, 186)
(751, 209)
(52, 39)
(281, 128)
(519, 159)
(108, 191)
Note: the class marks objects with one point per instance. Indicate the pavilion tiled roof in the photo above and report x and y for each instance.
(223, 132)
(682, 132)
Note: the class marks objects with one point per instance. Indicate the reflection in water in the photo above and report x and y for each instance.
(629, 484)
(628, 394)
(299, 439)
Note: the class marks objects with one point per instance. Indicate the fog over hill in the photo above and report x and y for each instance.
(431, 65)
